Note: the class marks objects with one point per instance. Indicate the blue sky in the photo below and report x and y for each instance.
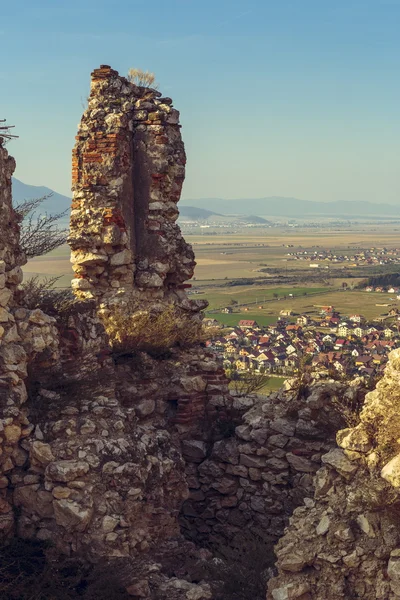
(290, 97)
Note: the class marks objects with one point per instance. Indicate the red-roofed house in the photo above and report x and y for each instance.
(247, 323)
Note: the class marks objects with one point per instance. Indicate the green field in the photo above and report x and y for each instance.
(273, 384)
(223, 296)
(346, 303)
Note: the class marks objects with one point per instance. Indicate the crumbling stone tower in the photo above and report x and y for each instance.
(24, 334)
(128, 170)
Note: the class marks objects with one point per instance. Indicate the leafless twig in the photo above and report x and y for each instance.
(40, 234)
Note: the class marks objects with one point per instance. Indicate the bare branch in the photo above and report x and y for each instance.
(4, 131)
(40, 234)
(249, 383)
(27, 206)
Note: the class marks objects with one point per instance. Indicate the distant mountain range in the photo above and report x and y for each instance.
(252, 208)
(277, 206)
(195, 214)
(56, 204)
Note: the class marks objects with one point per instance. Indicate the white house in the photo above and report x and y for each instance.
(355, 318)
(343, 329)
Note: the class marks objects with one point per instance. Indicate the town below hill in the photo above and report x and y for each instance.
(332, 345)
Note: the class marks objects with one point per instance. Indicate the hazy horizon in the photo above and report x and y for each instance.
(186, 201)
(276, 99)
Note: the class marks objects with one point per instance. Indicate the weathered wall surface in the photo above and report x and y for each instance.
(257, 474)
(106, 475)
(23, 334)
(128, 170)
(91, 444)
(345, 542)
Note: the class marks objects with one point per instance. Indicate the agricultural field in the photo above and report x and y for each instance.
(272, 385)
(54, 264)
(256, 296)
(252, 267)
(371, 305)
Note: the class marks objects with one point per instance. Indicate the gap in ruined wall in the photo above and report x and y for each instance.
(128, 199)
(141, 173)
(172, 409)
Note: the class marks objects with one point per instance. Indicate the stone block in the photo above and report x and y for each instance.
(258, 462)
(71, 515)
(292, 591)
(391, 471)
(194, 450)
(66, 470)
(337, 459)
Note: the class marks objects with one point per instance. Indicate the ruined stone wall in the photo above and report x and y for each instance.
(345, 542)
(23, 334)
(254, 475)
(91, 442)
(128, 170)
(105, 477)
(13, 360)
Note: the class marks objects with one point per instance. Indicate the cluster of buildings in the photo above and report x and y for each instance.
(373, 256)
(381, 288)
(328, 343)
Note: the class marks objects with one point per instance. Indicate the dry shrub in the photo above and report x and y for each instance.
(348, 409)
(142, 78)
(55, 302)
(334, 412)
(131, 330)
(248, 383)
(36, 293)
(74, 380)
(5, 135)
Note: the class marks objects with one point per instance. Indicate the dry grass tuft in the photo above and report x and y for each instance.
(348, 409)
(131, 330)
(142, 78)
(55, 302)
